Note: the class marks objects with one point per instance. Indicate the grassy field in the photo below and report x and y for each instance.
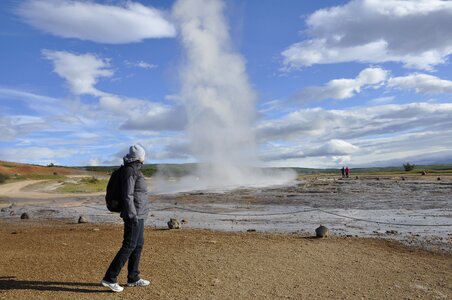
(85, 185)
(12, 171)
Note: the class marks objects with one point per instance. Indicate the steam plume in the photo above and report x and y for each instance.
(219, 100)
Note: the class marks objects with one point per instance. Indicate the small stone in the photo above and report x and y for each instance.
(322, 232)
(251, 230)
(391, 232)
(12, 213)
(357, 177)
(82, 220)
(215, 281)
(424, 173)
(439, 178)
(24, 216)
(96, 229)
(183, 221)
(3, 210)
(403, 178)
(173, 224)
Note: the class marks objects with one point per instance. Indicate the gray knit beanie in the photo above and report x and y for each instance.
(136, 153)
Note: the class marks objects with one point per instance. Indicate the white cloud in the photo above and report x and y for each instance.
(80, 71)
(384, 134)
(87, 20)
(381, 100)
(332, 148)
(335, 147)
(12, 127)
(422, 84)
(358, 122)
(413, 32)
(344, 88)
(35, 154)
(140, 64)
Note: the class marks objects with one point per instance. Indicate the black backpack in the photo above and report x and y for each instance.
(113, 198)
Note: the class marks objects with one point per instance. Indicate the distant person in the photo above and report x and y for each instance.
(135, 208)
(347, 172)
(343, 172)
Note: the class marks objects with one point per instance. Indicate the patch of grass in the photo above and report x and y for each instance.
(85, 185)
(3, 178)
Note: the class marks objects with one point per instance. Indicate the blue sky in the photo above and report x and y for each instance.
(336, 83)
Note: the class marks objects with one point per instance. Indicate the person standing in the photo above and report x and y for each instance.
(343, 172)
(135, 209)
(347, 172)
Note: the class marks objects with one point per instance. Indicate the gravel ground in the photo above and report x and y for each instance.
(64, 260)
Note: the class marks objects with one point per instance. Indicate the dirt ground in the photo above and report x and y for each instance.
(57, 260)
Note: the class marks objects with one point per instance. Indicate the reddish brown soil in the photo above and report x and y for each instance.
(11, 168)
(52, 260)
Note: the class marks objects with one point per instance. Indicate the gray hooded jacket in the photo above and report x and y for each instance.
(134, 192)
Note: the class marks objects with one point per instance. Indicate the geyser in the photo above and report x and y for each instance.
(219, 102)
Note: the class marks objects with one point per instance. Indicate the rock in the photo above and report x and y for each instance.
(392, 232)
(424, 173)
(12, 213)
(439, 178)
(96, 229)
(24, 216)
(322, 232)
(55, 173)
(183, 221)
(357, 177)
(173, 224)
(82, 220)
(3, 210)
(251, 230)
(403, 178)
(215, 281)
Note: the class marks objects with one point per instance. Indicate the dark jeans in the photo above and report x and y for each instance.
(131, 250)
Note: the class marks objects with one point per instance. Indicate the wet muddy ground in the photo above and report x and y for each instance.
(416, 210)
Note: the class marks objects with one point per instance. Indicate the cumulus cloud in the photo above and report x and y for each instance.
(81, 71)
(333, 148)
(358, 122)
(102, 23)
(387, 134)
(344, 88)
(422, 84)
(413, 32)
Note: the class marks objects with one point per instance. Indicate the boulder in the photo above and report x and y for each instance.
(82, 220)
(24, 216)
(322, 232)
(173, 224)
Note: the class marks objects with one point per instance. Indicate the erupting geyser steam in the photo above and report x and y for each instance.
(219, 101)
